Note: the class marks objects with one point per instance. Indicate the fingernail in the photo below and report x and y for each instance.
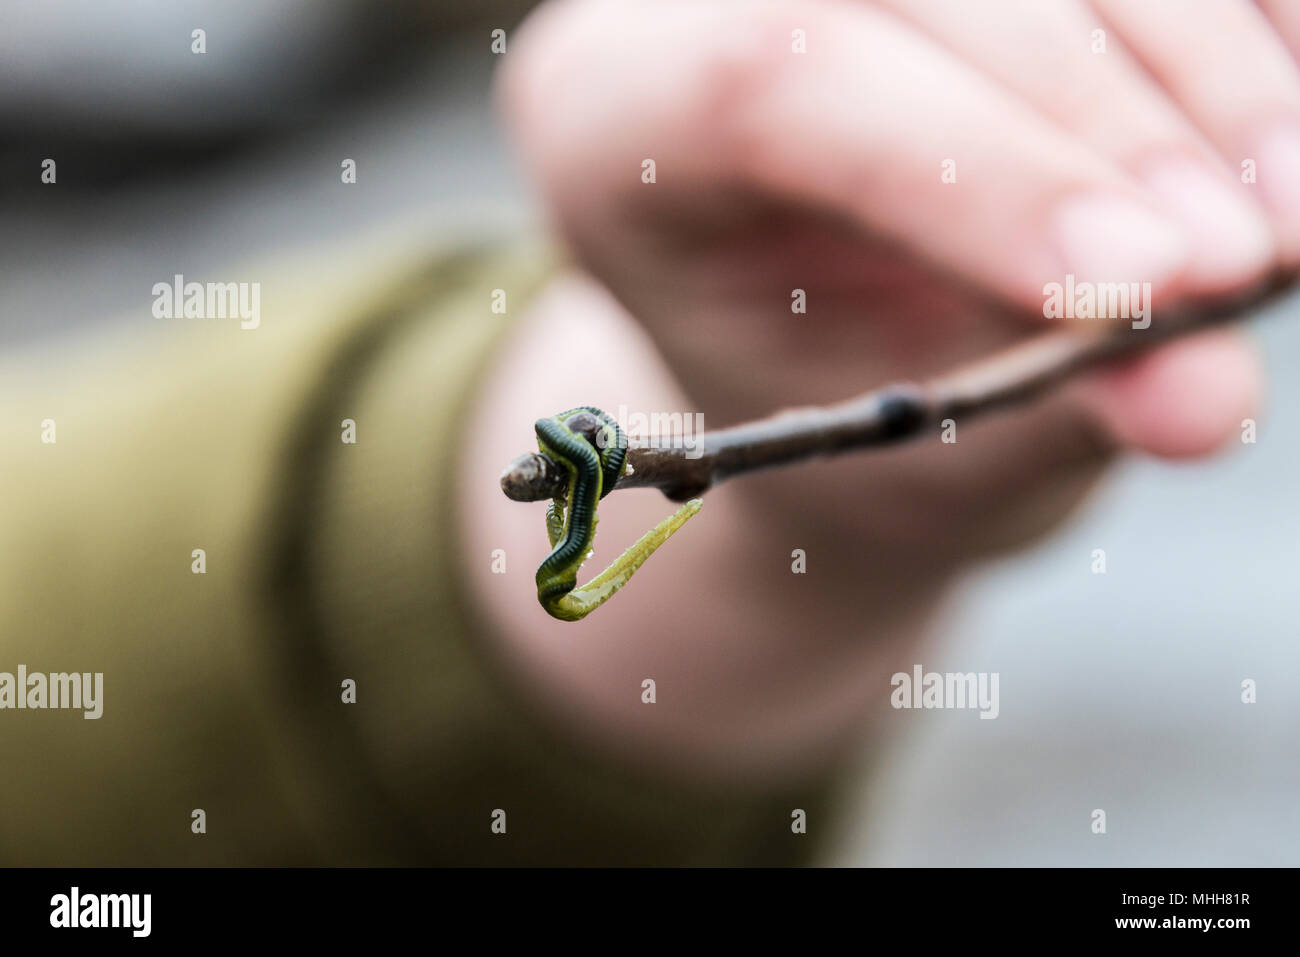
(1105, 238)
(1278, 176)
(1231, 239)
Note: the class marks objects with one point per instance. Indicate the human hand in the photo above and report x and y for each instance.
(824, 171)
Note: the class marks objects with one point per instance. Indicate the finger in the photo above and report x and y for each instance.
(1285, 17)
(865, 123)
(1231, 71)
(1184, 400)
(1053, 56)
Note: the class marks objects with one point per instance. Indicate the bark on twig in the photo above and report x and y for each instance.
(896, 412)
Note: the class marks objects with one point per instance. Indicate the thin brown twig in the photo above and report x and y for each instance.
(896, 412)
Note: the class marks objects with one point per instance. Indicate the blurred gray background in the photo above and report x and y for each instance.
(1118, 691)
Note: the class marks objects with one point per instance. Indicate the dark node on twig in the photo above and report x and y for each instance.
(904, 409)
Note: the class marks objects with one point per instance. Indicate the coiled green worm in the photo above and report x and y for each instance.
(571, 521)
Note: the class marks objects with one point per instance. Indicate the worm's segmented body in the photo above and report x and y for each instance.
(594, 454)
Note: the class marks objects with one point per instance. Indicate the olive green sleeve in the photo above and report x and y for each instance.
(238, 527)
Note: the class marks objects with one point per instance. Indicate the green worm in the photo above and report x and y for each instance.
(571, 521)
